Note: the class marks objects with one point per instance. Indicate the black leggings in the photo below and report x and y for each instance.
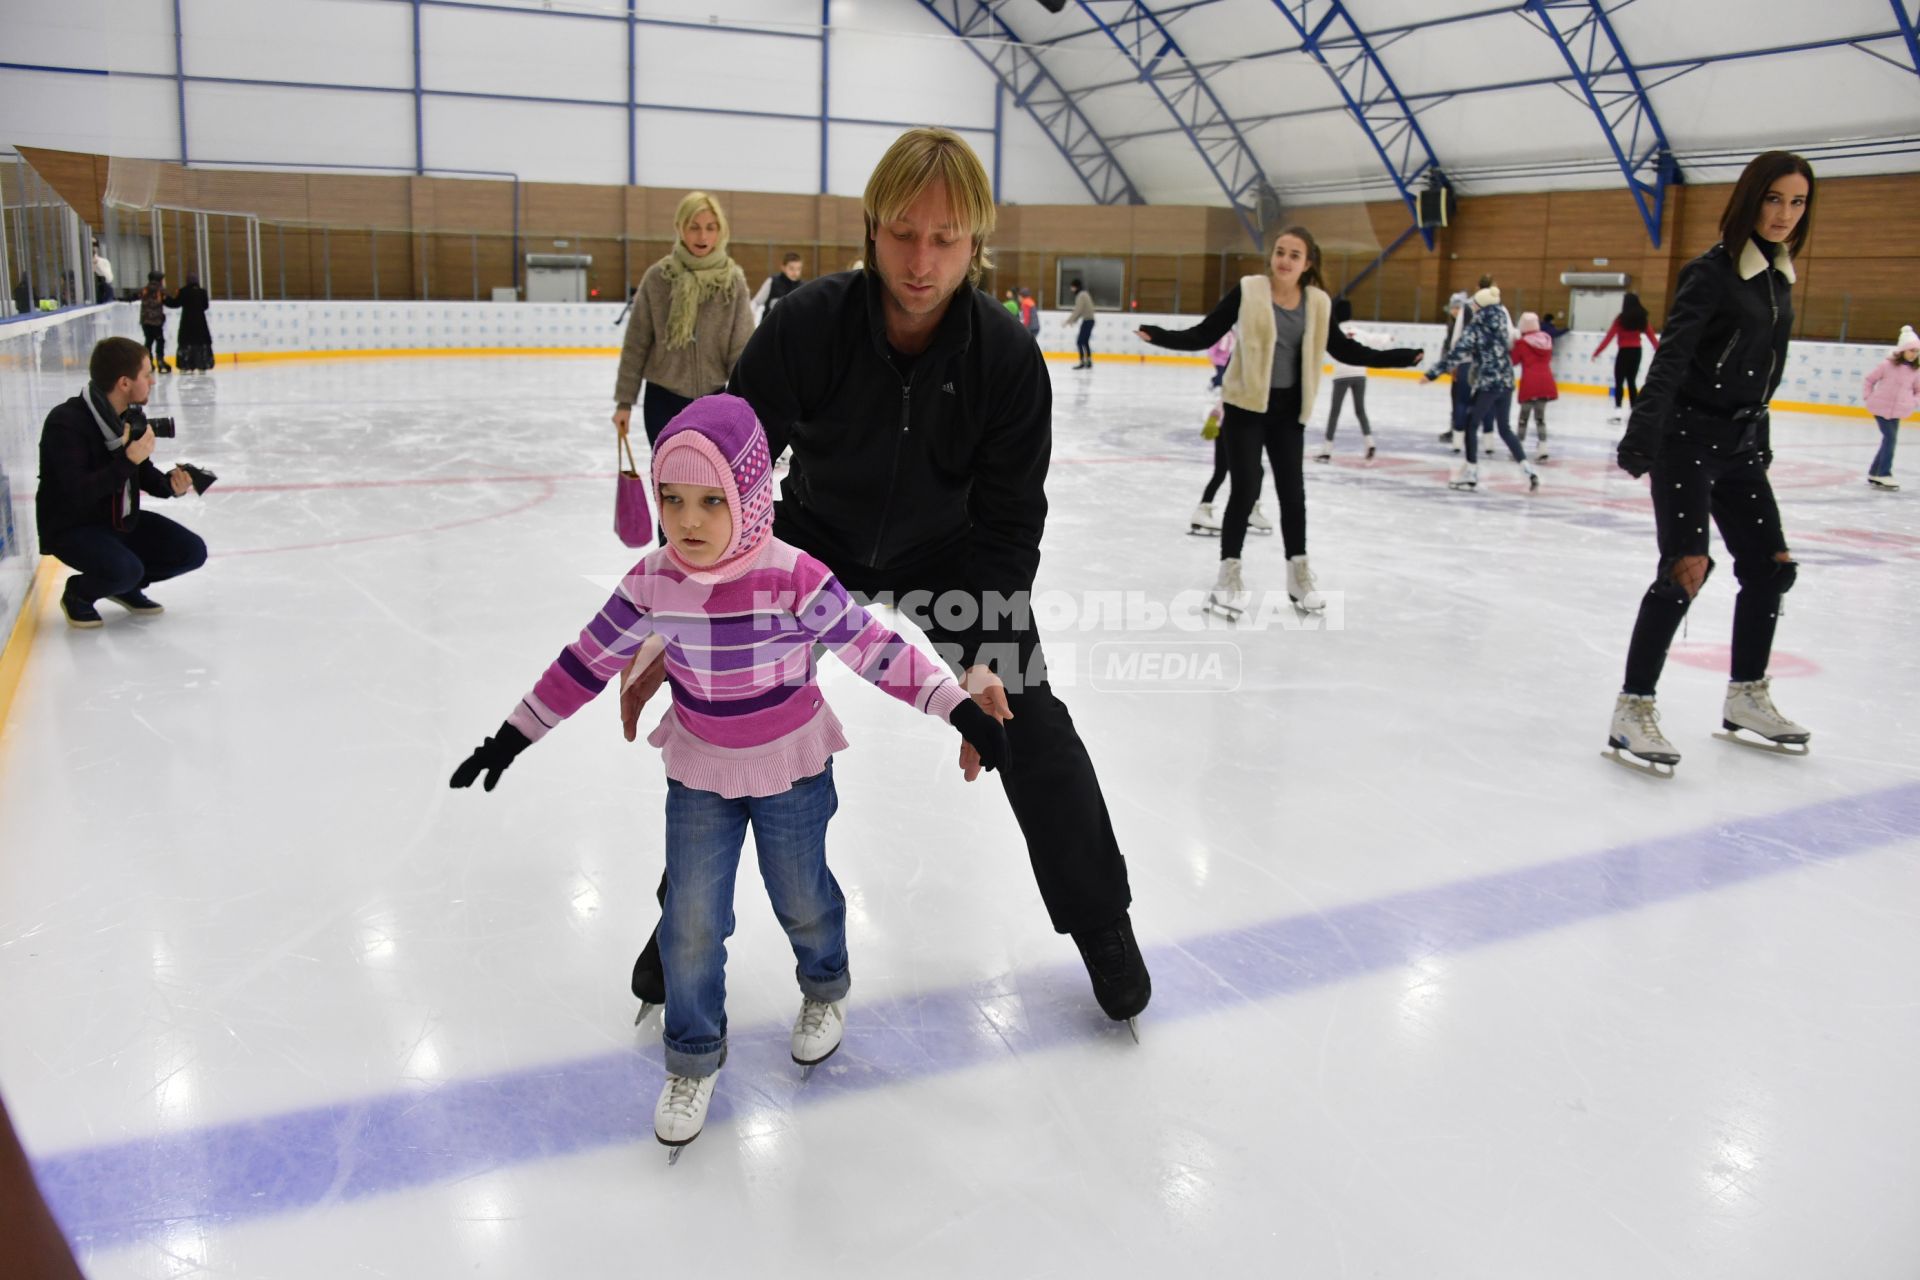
(1711, 471)
(1279, 433)
(1220, 467)
(1626, 373)
(1340, 388)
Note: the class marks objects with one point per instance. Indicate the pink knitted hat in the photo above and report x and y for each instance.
(1529, 322)
(1909, 340)
(716, 442)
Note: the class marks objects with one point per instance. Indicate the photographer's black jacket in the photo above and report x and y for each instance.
(896, 458)
(1724, 346)
(81, 479)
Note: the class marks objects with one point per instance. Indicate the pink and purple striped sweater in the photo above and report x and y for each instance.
(748, 718)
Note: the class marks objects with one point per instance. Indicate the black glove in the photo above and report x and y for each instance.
(1342, 311)
(1408, 358)
(1154, 334)
(202, 478)
(493, 755)
(1638, 448)
(987, 735)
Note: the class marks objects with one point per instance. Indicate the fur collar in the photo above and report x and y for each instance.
(1752, 262)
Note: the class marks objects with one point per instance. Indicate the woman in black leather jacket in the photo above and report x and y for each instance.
(1700, 429)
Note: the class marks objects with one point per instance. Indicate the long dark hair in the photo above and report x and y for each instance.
(1742, 214)
(1633, 316)
(1311, 276)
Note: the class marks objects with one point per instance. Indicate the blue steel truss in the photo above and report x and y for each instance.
(1332, 38)
(1910, 28)
(1613, 90)
(1184, 92)
(1034, 89)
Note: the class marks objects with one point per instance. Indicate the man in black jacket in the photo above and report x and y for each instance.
(96, 454)
(919, 416)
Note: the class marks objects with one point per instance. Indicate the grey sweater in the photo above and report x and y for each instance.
(720, 334)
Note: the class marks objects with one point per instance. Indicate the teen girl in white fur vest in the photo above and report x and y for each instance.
(1286, 331)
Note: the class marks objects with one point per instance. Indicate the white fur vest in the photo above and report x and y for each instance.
(1250, 372)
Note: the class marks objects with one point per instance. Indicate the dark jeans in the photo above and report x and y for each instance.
(1341, 386)
(1711, 469)
(1462, 401)
(156, 335)
(1085, 342)
(113, 562)
(1279, 434)
(1490, 408)
(658, 407)
(1889, 437)
(1626, 373)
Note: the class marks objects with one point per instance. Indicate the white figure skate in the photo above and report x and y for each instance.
(1466, 476)
(816, 1033)
(1300, 587)
(681, 1112)
(1750, 719)
(1257, 521)
(1636, 731)
(1203, 524)
(1229, 596)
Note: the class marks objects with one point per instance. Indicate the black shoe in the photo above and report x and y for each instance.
(137, 602)
(649, 981)
(80, 613)
(1120, 980)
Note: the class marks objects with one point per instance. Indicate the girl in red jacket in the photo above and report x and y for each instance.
(1533, 352)
(1629, 327)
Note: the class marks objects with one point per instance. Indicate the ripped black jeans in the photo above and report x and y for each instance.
(1712, 468)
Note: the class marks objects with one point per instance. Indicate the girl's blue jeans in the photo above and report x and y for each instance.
(705, 833)
(1889, 436)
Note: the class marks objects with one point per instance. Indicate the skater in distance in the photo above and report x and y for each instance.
(749, 740)
(1287, 327)
(918, 415)
(1700, 432)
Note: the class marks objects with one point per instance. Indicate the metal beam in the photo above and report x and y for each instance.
(1910, 29)
(1331, 37)
(1034, 89)
(180, 78)
(1611, 86)
(1163, 67)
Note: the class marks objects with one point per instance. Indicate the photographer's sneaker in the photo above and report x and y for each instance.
(817, 1031)
(137, 602)
(80, 613)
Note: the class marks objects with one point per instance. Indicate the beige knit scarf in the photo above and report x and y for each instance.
(694, 281)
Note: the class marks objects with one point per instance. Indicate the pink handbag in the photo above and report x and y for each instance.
(632, 513)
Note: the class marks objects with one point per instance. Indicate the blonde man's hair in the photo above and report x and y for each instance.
(691, 206)
(917, 159)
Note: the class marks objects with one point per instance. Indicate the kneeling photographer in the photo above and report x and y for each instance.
(96, 459)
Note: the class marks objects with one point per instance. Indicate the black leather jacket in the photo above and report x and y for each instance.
(1722, 352)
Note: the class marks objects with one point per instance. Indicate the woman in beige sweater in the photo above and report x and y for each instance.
(690, 321)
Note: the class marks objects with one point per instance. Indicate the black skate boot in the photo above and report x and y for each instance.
(649, 979)
(1120, 980)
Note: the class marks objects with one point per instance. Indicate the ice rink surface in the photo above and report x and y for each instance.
(1439, 992)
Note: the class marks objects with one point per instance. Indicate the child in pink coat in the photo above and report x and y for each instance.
(1891, 393)
(1533, 352)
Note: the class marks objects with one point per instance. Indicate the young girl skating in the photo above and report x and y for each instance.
(749, 739)
(1892, 392)
(1285, 321)
(1533, 352)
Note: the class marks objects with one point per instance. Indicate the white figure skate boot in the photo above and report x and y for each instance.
(1636, 731)
(1203, 525)
(817, 1032)
(1323, 452)
(1229, 595)
(1465, 476)
(1257, 521)
(681, 1112)
(1750, 710)
(1300, 586)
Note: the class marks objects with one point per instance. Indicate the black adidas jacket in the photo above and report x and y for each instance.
(81, 479)
(898, 458)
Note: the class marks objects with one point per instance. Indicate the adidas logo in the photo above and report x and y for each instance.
(947, 387)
